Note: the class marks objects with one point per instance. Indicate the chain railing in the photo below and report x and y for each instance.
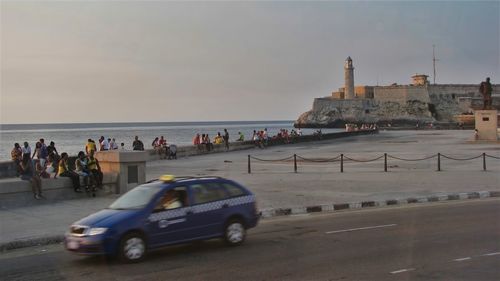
(342, 158)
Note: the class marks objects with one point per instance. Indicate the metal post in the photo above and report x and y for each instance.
(439, 161)
(249, 169)
(341, 163)
(484, 161)
(385, 162)
(295, 163)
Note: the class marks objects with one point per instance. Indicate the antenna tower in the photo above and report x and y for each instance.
(434, 60)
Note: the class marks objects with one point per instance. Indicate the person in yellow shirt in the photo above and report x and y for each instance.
(90, 146)
(218, 139)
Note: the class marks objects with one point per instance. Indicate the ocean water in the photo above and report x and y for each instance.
(72, 138)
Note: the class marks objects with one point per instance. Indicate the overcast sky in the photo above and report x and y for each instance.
(109, 61)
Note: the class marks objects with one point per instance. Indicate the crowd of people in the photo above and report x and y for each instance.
(204, 140)
(259, 137)
(160, 145)
(46, 160)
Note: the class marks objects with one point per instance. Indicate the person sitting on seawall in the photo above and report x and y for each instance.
(164, 147)
(82, 170)
(95, 169)
(64, 171)
(28, 174)
(41, 171)
(36, 153)
(26, 149)
(17, 156)
(53, 158)
(90, 146)
(196, 140)
(137, 144)
(241, 137)
(208, 143)
(103, 144)
(218, 139)
(158, 148)
(171, 152)
(113, 145)
(171, 200)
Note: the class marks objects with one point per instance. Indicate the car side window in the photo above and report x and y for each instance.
(204, 193)
(173, 199)
(233, 190)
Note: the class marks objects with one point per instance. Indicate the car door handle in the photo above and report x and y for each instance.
(225, 206)
(189, 212)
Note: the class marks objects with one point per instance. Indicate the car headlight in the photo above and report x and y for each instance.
(97, 231)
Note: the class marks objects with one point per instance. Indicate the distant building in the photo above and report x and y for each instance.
(419, 101)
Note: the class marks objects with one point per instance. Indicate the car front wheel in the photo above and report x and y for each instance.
(132, 248)
(234, 233)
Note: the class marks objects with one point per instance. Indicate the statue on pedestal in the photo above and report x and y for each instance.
(485, 88)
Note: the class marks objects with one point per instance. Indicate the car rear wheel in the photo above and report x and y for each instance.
(132, 248)
(234, 233)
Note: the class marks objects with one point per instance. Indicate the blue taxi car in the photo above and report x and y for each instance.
(165, 212)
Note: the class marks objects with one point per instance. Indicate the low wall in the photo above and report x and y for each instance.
(15, 192)
(192, 150)
(8, 169)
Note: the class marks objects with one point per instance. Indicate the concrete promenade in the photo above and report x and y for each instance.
(277, 186)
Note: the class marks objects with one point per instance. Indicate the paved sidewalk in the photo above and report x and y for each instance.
(280, 191)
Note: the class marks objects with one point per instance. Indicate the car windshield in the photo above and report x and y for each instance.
(137, 197)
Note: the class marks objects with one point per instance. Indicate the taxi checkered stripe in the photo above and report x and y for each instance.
(169, 214)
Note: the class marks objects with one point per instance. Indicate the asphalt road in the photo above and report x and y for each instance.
(441, 241)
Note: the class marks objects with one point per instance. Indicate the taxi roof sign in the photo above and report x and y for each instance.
(167, 178)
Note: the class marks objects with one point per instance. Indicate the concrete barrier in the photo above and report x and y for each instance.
(15, 192)
(7, 169)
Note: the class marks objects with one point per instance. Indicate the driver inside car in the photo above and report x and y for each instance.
(171, 200)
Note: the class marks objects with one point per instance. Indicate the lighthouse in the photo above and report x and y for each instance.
(349, 79)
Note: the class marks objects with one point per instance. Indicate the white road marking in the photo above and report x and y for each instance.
(402, 270)
(491, 254)
(360, 228)
(463, 259)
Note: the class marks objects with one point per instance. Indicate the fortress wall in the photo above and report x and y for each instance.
(328, 104)
(460, 90)
(401, 94)
(363, 92)
(455, 91)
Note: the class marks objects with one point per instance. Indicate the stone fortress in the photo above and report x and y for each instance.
(398, 105)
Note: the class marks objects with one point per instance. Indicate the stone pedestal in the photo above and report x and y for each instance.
(130, 167)
(486, 124)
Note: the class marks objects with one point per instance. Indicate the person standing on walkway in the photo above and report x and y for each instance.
(64, 171)
(95, 169)
(226, 139)
(28, 174)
